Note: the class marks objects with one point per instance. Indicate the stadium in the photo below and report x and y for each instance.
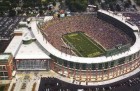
(88, 48)
(91, 50)
(98, 51)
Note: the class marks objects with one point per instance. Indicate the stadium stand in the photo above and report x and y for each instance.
(90, 25)
(133, 17)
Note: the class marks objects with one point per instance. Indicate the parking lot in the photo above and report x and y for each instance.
(7, 26)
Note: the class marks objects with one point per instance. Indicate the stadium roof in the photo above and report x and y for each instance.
(120, 18)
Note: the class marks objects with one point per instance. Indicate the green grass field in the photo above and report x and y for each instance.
(82, 45)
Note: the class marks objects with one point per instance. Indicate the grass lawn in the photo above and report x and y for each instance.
(82, 45)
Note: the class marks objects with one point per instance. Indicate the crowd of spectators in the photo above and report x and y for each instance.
(100, 31)
(133, 17)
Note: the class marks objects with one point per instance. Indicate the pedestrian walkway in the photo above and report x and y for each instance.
(24, 82)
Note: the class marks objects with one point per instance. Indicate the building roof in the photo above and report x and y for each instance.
(121, 19)
(14, 45)
(47, 18)
(25, 51)
(16, 42)
(31, 51)
(4, 58)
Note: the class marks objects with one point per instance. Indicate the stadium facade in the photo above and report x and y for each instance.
(93, 71)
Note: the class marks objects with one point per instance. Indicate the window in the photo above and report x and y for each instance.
(83, 66)
(106, 65)
(1, 73)
(1, 67)
(4, 67)
(121, 61)
(100, 66)
(112, 63)
(77, 65)
(89, 66)
(60, 62)
(71, 65)
(135, 56)
(93, 67)
(65, 63)
(130, 58)
(5, 73)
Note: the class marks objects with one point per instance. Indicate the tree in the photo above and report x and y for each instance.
(110, 1)
(92, 1)
(54, 3)
(12, 13)
(129, 1)
(111, 6)
(127, 4)
(1, 13)
(134, 6)
(60, 0)
(40, 12)
(118, 8)
(138, 2)
(77, 5)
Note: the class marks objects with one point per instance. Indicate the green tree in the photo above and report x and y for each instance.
(92, 1)
(12, 13)
(138, 2)
(54, 3)
(77, 5)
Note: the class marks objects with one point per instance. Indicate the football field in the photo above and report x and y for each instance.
(82, 45)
